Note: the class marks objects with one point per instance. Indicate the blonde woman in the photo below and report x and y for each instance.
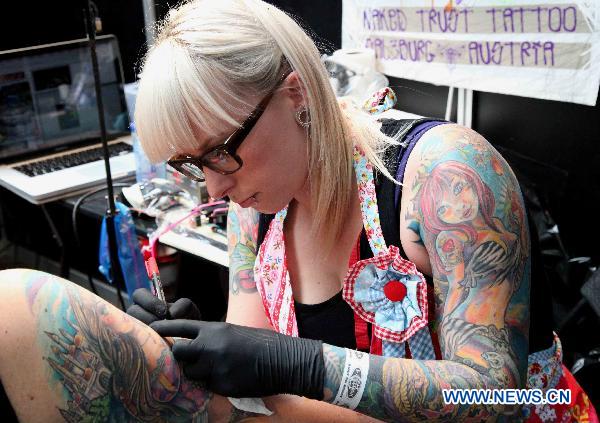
(343, 289)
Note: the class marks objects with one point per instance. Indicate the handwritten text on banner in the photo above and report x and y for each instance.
(548, 50)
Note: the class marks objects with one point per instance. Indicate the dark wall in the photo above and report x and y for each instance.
(32, 22)
(555, 145)
(321, 19)
(565, 137)
(26, 23)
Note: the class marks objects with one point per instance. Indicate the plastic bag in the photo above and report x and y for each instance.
(352, 73)
(130, 256)
(157, 196)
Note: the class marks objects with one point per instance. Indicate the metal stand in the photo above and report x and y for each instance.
(116, 271)
(149, 21)
(464, 106)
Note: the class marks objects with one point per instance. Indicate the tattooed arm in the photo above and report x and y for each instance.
(462, 210)
(244, 306)
(67, 355)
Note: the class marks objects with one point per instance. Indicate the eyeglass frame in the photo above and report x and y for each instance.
(230, 145)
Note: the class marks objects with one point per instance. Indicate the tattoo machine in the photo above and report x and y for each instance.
(149, 252)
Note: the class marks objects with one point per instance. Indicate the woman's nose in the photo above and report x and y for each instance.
(217, 185)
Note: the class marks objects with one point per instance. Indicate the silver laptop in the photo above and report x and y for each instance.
(49, 127)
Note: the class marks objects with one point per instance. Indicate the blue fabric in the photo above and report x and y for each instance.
(421, 346)
(393, 349)
(369, 292)
(411, 140)
(130, 256)
(104, 253)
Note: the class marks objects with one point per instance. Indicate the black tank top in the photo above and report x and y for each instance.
(331, 321)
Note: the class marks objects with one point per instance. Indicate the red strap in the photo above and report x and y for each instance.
(376, 346)
(434, 336)
(361, 332)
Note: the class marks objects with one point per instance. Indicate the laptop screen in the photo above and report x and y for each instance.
(48, 98)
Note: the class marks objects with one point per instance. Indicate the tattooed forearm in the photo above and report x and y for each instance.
(495, 358)
(372, 399)
(411, 390)
(242, 227)
(334, 358)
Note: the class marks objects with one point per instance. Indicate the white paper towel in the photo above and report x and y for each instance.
(251, 405)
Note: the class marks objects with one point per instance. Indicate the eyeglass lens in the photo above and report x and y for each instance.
(191, 170)
(218, 160)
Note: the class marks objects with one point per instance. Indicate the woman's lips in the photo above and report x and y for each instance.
(248, 202)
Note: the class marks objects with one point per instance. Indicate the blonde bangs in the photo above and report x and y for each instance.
(174, 106)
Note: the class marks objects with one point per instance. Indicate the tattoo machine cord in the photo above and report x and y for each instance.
(150, 254)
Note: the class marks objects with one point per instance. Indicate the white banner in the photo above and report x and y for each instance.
(548, 50)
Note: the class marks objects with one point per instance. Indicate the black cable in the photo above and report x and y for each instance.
(64, 268)
(76, 207)
(91, 15)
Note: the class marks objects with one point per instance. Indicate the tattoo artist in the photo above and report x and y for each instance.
(374, 262)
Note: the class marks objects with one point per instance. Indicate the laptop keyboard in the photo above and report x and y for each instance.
(71, 160)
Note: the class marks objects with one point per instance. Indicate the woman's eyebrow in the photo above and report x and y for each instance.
(206, 145)
(215, 142)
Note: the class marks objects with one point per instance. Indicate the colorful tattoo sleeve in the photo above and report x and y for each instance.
(465, 205)
(242, 233)
(106, 365)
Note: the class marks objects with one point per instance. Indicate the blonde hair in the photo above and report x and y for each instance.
(209, 56)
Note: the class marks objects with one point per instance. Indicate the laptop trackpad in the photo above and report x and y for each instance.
(118, 166)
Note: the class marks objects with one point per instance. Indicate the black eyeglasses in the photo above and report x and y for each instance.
(223, 158)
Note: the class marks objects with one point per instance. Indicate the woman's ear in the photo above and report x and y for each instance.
(295, 89)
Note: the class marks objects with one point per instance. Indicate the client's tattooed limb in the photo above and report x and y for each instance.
(107, 366)
(71, 354)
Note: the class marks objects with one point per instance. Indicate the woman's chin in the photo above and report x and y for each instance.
(264, 210)
(265, 207)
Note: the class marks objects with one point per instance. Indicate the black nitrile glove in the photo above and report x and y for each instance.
(147, 308)
(238, 361)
